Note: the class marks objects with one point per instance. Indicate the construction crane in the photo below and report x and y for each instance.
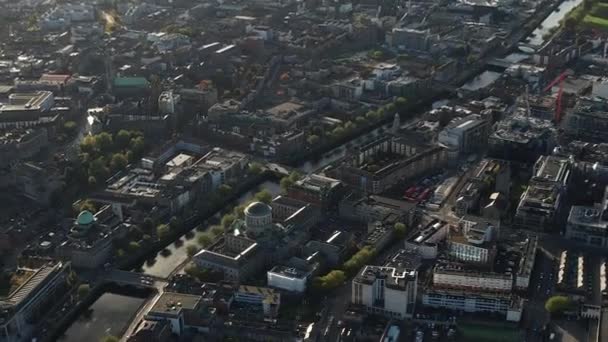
(558, 101)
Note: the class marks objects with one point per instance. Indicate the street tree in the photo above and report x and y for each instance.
(557, 304)
(400, 229)
(191, 250)
(263, 196)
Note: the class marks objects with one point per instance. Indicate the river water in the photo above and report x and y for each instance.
(168, 259)
(109, 315)
(536, 38)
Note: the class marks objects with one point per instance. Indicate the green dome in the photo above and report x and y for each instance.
(85, 218)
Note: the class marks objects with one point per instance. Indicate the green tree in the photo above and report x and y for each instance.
(191, 250)
(88, 145)
(557, 304)
(239, 211)
(349, 126)
(217, 230)
(83, 291)
(135, 233)
(400, 103)
(92, 181)
(163, 231)
(99, 170)
(377, 55)
(294, 176)
(70, 128)
(87, 205)
(390, 108)
(263, 196)
(123, 139)
(338, 132)
(175, 223)
(400, 230)
(130, 156)
(361, 121)
(255, 168)
(148, 224)
(119, 162)
(204, 240)
(312, 139)
(109, 338)
(120, 253)
(358, 260)
(330, 281)
(137, 145)
(103, 142)
(286, 183)
(227, 220)
(134, 246)
(225, 189)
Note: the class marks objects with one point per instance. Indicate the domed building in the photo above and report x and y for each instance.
(258, 218)
(84, 223)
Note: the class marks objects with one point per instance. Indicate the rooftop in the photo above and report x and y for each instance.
(551, 169)
(173, 303)
(394, 278)
(137, 82)
(289, 272)
(587, 216)
(258, 209)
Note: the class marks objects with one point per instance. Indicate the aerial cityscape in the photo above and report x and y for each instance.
(304, 170)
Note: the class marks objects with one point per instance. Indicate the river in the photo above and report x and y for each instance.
(109, 315)
(536, 38)
(168, 259)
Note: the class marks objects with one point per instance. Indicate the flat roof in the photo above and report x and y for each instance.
(173, 303)
(130, 82)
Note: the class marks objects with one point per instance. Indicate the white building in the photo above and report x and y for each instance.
(268, 298)
(172, 307)
(450, 276)
(62, 16)
(288, 279)
(167, 102)
(600, 88)
(589, 225)
(509, 305)
(467, 134)
(386, 291)
(472, 242)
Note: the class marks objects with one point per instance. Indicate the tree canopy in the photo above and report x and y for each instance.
(359, 259)
(163, 231)
(557, 304)
(263, 196)
(204, 240)
(400, 229)
(330, 281)
(191, 250)
(83, 290)
(109, 338)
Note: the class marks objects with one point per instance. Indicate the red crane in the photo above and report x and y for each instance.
(558, 101)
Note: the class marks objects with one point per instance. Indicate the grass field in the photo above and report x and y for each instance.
(483, 333)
